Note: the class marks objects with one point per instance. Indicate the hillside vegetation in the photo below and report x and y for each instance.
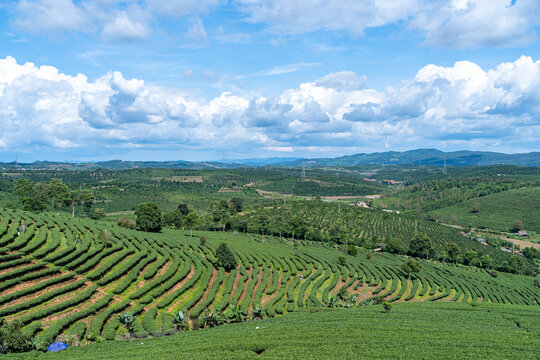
(64, 276)
(497, 211)
(413, 330)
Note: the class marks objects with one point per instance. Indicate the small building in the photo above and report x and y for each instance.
(523, 233)
(482, 241)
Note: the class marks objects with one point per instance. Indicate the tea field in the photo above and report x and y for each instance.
(73, 277)
(436, 330)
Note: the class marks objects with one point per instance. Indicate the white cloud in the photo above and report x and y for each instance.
(450, 23)
(461, 106)
(447, 23)
(196, 35)
(36, 16)
(125, 27)
(472, 23)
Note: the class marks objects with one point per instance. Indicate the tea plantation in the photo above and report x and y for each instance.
(409, 331)
(73, 277)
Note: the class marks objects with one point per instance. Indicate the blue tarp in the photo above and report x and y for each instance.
(57, 346)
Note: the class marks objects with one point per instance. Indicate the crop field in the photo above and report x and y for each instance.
(364, 227)
(74, 276)
(498, 211)
(411, 330)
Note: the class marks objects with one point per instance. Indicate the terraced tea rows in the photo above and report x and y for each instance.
(63, 276)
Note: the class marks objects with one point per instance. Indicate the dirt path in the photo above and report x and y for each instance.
(246, 285)
(523, 243)
(28, 284)
(37, 294)
(236, 281)
(266, 298)
(257, 285)
(210, 284)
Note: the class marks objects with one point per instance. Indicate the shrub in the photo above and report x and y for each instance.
(387, 306)
(97, 214)
(12, 338)
(125, 222)
(352, 250)
(342, 260)
(225, 257)
(202, 239)
(494, 273)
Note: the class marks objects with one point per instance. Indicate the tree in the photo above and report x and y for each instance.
(236, 204)
(87, 200)
(24, 188)
(225, 257)
(453, 251)
(475, 208)
(516, 262)
(74, 199)
(411, 266)
(485, 261)
(352, 250)
(470, 257)
(183, 209)
(342, 260)
(395, 246)
(174, 219)
(98, 213)
(148, 217)
(420, 246)
(531, 253)
(58, 193)
(191, 220)
(518, 225)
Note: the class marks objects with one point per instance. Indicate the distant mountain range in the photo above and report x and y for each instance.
(431, 157)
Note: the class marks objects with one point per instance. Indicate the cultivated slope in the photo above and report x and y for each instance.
(75, 276)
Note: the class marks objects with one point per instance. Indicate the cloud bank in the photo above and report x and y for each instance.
(462, 106)
(445, 23)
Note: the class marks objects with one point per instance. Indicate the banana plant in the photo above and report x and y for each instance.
(179, 319)
(257, 312)
(128, 320)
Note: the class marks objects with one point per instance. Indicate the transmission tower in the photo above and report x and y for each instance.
(444, 167)
(303, 170)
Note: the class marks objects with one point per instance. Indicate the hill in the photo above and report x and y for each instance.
(412, 330)
(497, 211)
(432, 157)
(64, 276)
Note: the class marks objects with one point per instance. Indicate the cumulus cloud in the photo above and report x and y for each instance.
(44, 110)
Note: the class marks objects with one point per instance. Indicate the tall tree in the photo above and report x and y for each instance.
(190, 221)
(420, 246)
(58, 193)
(87, 201)
(148, 217)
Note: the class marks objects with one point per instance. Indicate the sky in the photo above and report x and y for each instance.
(91, 80)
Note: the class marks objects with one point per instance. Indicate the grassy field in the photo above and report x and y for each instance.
(497, 211)
(409, 331)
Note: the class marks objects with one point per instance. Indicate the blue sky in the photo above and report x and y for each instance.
(199, 80)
